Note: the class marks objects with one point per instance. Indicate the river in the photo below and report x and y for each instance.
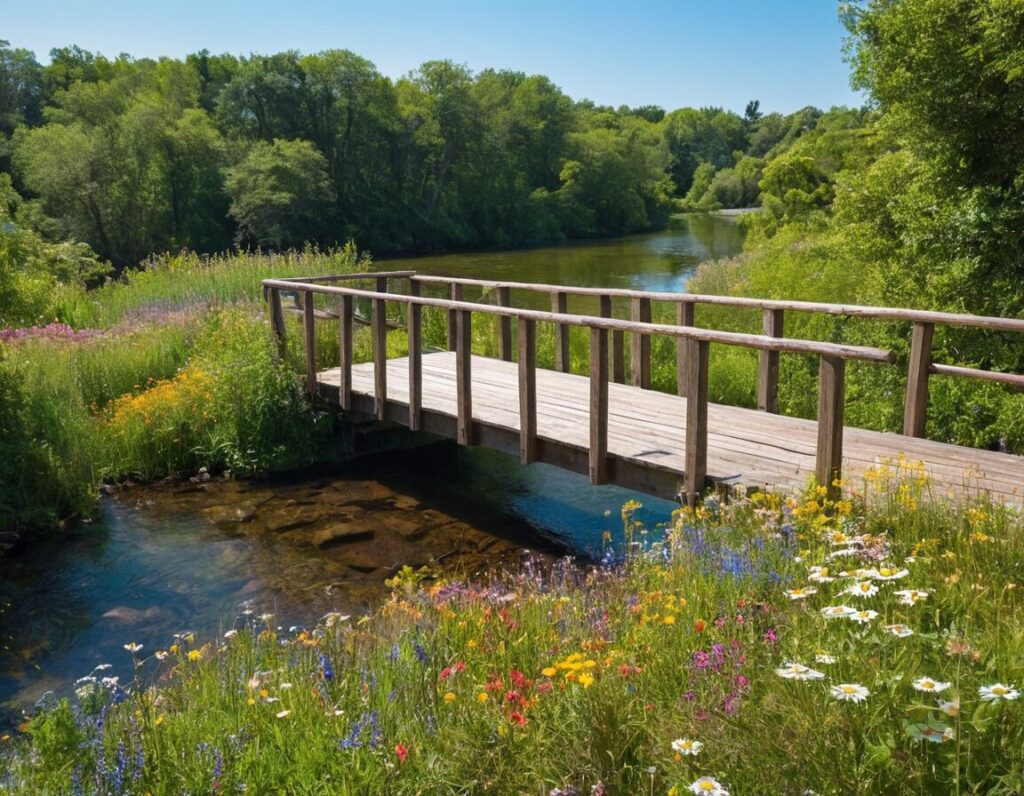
(165, 560)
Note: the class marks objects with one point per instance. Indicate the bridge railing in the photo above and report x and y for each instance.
(920, 362)
(693, 353)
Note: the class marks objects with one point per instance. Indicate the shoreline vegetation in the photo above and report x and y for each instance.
(860, 646)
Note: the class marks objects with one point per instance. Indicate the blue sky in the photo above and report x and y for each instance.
(786, 53)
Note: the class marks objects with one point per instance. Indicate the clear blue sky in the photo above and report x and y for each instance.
(786, 53)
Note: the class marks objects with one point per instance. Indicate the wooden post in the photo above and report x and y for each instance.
(455, 294)
(695, 466)
(415, 327)
(640, 345)
(598, 406)
(345, 317)
(277, 320)
(831, 398)
(527, 390)
(915, 409)
(605, 311)
(560, 305)
(619, 356)
(309, 322)
(505, 325)
(380, 351)
(684, 317)
(768, 375)
(463, 379)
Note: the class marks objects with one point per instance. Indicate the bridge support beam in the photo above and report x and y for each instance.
(831, 401)
(560, 305)
(463, 375)
(684, 317)
(527, 390)
(346, 316)
(640, 345)
(277, 319)
(380, 351)
(695, 466)
(915, 409)
(309, 323)
(768, 370)
(415, 326)
(598, 465)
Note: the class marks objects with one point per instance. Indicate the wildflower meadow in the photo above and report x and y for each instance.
(763, 644)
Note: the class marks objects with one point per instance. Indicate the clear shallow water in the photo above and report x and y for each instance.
(161, 561)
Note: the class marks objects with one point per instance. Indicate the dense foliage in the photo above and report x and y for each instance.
(784, 645)
(136, 156)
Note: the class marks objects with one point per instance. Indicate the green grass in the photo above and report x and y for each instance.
(559, 677)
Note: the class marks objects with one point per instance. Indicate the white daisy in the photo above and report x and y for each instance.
(133, 647)
(929, 685)
(889, 572)
(859, 574)
(687, 747)
(824, 658)
(911, 596)
(863, 616)
(849, 692)
(797, 671)
(706, 786)
(997, 692)
(862, 588)
(900, 631)
(838, 611)
(801, 593)
(820, 575)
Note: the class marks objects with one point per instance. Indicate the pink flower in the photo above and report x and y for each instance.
(402, 751)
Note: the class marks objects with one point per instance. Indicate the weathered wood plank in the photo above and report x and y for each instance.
(277, 320)
(684, 317)
(346, 313)
(527, 391)
(598, 458)
(455, 294)
(695, 468)
(463, 375)
(831, 398)
(560, 306)
(309, 324)
(415, 326)
(380, 351)
(640, 344)
(915, 406)
(768, 365)
(1010, 379)
(505, 325)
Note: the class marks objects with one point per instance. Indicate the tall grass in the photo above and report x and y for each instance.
(670, 663)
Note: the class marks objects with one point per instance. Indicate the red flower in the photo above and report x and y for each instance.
(402, 751)
(517, 718)
(699, 625)
(445, 673)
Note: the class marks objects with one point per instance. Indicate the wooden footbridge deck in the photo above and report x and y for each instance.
(629, 434)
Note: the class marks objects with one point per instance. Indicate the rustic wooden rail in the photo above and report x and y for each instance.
(693, 356)
(920, 366)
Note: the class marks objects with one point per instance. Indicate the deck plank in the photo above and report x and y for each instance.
(647, 428)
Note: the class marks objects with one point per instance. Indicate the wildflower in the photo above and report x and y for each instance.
(900, 631)
(838, 612)
(820, 575)
(286, 686)
(283, 714)
(886, 573)
(401, 752)
(481, 697)
(195, 655)
(951, 708)
(450, 696)
(133, 647)
(862, 617)
(824, 658)
(706, 786)
(797, 671)
(928, 685)
(770, 637)
(586, 680)
(266, 617)
(997, 692)
(685, 746)
(160, 655)
(231, 634)
(849, 692)
(801, 593)
(517, 718)
(862, 588)
(549, 671)
(699, 625)
(911, 596)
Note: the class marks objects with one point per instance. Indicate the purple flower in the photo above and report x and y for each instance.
(770, 637)
(701, 659)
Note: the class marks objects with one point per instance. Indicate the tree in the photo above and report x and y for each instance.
(280, 194)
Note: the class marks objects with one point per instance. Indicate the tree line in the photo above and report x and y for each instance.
(136, 156)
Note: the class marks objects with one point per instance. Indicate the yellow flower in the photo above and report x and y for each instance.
(549, 671)
(174, 648)
(159, 721)
(450, 697)
(481, 697)
(195, 655)
(252, 701)
(586, 679)
(669, 620)
(471, 644)
(264, 693)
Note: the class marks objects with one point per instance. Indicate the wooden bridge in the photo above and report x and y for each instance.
(628, 434)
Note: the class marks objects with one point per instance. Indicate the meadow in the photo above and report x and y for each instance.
(766, 644)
